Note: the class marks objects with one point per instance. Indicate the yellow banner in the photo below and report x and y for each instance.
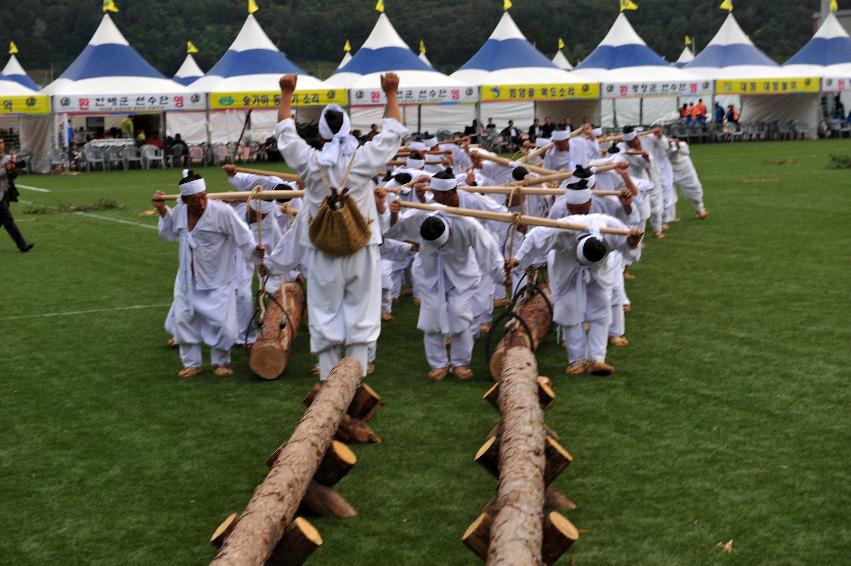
(271, 99)
(510, 93)
(768, 86)
(24, 104)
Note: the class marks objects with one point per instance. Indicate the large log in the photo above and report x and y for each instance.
(536, 313)
(517, 530)
(546, 395)
(271, 350)
(354, 430)
(275, 501)
(554, 500)
(559, 536)
(555, 456)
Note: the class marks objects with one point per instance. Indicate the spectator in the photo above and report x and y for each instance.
(719, 114)
(691, 115)
(472, 131)
(547, 128)
(179, 152)
(127, 127)
(684, 112)
(8, 195)
(140, 138)
(732, 115)
(700, 110)
(567, 125)
(838, 108)
(154, 140)
(535, 130)
(512, 136)
(490, 126)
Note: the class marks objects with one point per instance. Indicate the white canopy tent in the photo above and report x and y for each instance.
(14, 71)
(430, 100)
(519, 83)
(189, 71)
(246, 79)
(747, 77)
(24, 110)
(686, 57)
(826, 55)
(109, 78)
(638, 86)
(560, 61)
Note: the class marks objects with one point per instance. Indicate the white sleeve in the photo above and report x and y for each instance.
(241, 234)
(395, 250)
(487, 252)
(373, 156)
(294, 150)
(408, 226)
(247, 181)
(166, 226)
(538, 243)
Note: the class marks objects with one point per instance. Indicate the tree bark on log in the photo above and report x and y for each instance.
(477, 535)
(323, 501)
(537, 316)
(517, 530)
(275, 501)
(298, 543)
(271, 350)
(353, 430)
(559, 536)
(554, 500)
(546, 395)
(555, 456)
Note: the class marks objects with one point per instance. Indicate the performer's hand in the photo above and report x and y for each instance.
(511, 263)
(626, 200)
(396, 207)
(261, 250)
(230, 170)
(634, 237)
(645, 156)
(261, 269)
(288, 84)
(471, 179)
(415, 247)
(657, 132)
(158, 202)
(621, 167)
(380, 199)
(389, 83)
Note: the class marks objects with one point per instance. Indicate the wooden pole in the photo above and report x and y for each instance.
(528, 191)
(535, 312)
(510, 218)
(546, 395)
(561, 176)
(517, 530)
(353, 430)
(265, 173)
(275, 501)
(619, 137)
(244, 195)
(510, 163)
(271, 350)
(536, 153)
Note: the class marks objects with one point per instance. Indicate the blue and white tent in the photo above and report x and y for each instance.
(14, 71)
(345, 61)
(733, 61)
(686, 57)
(11, 87)
(110, 67)
(637, 84)
(431, 100)
(189, 71)
(560, 61)
(828, 55)
(508, 59)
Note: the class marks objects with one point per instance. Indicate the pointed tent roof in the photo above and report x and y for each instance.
(507, 57)
(384, 50)
(189, 72)
(731, 48)
(11, 87)
(109, 65)
(424, 59)
(686, 57)
(252, 63)
(14, 71)
(831, 45)
(622, 47)
(346, 58)
(561, 61)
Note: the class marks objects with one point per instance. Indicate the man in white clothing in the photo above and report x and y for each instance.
(645, 173)
(560, 156)
(658, 145)
(344, 293)
(685, 175)
(210, 235)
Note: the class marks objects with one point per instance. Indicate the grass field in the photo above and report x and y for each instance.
(728, 417)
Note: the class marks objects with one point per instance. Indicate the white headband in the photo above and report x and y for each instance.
(261, 206)
(541, 142)
(597, 132)
(630, 136)
(442, 185)
(580, 196)
(443, 238)
(411, 163)
(561, 135)
(417, 146)
(340, 144)
(431, 142)
(192, 187)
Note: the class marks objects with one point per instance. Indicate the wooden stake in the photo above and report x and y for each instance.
(265, 173)
(323, 501)
(557, 460)
(365, 401)
(477, 535)
(510, 218)
(561, 175)
(223, 530)
(338, 460)
(488, 456)
(298, 543)
(508, 190)
(239, 196)
(559, 536)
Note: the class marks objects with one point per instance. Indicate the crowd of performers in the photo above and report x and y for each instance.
(458, 267)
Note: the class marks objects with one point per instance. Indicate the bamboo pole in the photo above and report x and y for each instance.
(244, 195)
(536, 153)
(528, 191)
(510, 163)
(265, 173)
(619, 137)
(510, 218)
(560, 176)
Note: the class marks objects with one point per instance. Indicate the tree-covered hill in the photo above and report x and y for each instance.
(50, 33)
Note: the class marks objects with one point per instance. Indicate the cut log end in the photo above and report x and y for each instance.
(338, 460)
(365, 401)
(223, 530)
(557, 460)
(323, 501)
(267, 361)
(299, 541)
(559, 536)
(477, 535)
(488, 456)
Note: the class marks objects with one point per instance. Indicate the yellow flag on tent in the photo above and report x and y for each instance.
(506, 5)
(12, 48)
(379, 6)
(688, 41)
(628, 5)
(347, 47)
(560, 43)
(422, 47)
(109, 6)
(190, 48)
(252, 6)
(727, 5)
(834, 5)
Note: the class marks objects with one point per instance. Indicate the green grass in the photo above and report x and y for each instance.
(728, 417)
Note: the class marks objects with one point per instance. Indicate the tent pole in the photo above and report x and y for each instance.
(419, 117)
(641, 111)
(209, 125)
(615, 111)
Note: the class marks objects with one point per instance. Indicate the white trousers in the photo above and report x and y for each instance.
(586, 346)
(692, 190)
(244, 313)
(190, 355)
(343, 301)
(330, 357)
(460, 351)
(656, 199)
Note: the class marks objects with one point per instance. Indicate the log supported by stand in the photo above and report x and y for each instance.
(534, 310)
(353, 428)
(272, 508)
(271, 350)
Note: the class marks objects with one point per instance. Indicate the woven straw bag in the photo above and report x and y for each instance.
(339, 228)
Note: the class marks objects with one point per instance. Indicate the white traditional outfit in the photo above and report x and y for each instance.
(447, 273)
(658, 149)
(344, 293)
(581, 289)
(646, 178)
(204, 307)
(557, 159)
(685, 175)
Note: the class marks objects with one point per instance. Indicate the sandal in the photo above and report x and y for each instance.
(186, 373)
(222, 371)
